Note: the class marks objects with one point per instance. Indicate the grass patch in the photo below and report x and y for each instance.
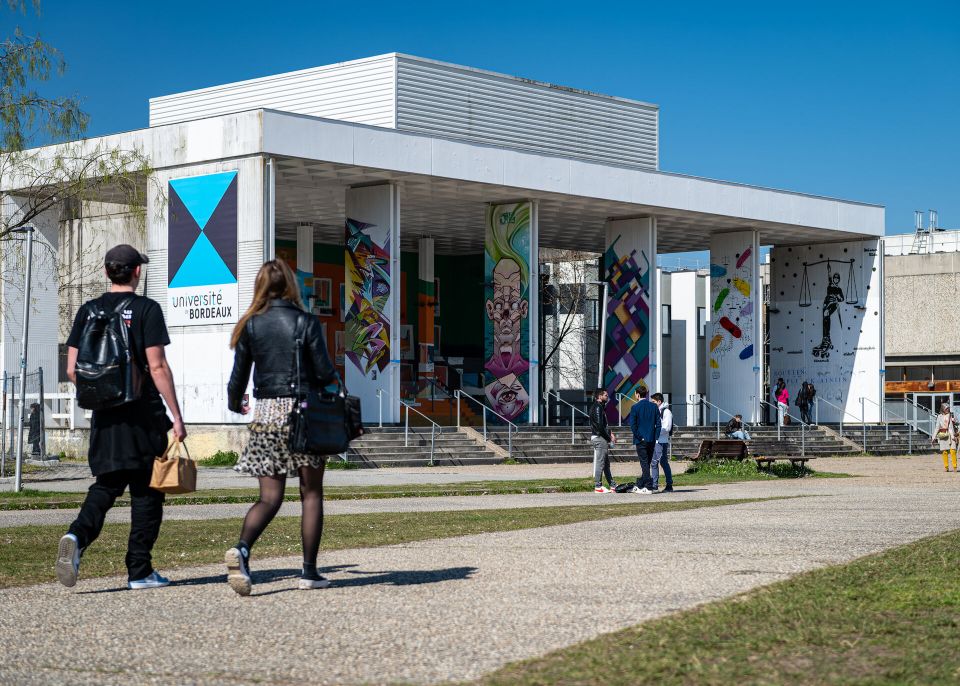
(221, 458)
(27, 553)
(340, 464)
(54, 500)
(747, 470)
(891, 618)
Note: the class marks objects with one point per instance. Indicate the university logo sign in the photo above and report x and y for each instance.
(202, 250)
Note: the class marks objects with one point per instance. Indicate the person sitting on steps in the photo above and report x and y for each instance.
(735, 429)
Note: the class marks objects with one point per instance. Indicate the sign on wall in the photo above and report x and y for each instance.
(826, 325)
(202, 250)
(733, 334)
(507, 309)
(627, 268)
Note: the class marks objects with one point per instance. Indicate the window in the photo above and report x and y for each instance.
(702, 322)
(665, 320)
(918, 373)
(894, 374)
(947, 372)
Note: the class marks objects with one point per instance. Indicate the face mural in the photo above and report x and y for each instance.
(367, 292)
(507, 332)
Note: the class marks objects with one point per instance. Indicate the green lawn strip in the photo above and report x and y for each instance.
(30, 499)
(891, 618)
(27, 553)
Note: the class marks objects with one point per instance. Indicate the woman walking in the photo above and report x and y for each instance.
(266, 338)
(946, 436)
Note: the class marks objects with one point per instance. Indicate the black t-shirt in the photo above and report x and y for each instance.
(144, 322)
(131, 435)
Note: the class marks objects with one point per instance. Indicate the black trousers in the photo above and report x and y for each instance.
(146, 515)
(645, 453)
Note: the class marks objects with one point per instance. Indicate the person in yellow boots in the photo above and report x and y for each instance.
(946, 436)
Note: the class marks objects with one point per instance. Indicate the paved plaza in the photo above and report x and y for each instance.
(457, 608)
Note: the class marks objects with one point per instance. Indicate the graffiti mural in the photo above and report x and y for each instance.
(731, 307)
(367, 292)
(507, 304)
(626, 349)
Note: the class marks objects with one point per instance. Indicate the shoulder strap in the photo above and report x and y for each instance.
(299, 332)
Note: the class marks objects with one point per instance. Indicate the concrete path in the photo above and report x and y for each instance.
(457, 608)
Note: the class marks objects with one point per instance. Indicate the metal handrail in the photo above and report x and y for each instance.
(573, 417)
(434, 427)
(932, 416)
(883, 411)
(803, 426)
(699, 398)
(620, 397)
(511, 427)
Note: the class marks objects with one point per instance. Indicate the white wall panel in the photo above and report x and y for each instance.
(838, 348)
(360, 91)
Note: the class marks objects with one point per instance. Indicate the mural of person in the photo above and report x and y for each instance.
(506, 310)
(831, 305)
(368, 291)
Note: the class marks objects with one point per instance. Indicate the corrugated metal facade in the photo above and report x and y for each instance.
(438, 99)
(361, 91)
(447, 100)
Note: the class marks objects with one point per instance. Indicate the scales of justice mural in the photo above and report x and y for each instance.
(825, 321)
(507, 310)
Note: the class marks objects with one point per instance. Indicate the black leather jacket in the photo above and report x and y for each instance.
(268, 343)
(598, 421)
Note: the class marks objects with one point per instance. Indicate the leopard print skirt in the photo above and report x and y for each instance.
(267, 453)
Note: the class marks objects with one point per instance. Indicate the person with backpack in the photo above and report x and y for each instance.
(286, 349)
(661, 451)
(115, 357)
(601, 439)
(804, 400)
(645, 426)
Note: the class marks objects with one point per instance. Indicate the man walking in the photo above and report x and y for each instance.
(601, 439)
(661, 451)
(125, 439)
(645, 425)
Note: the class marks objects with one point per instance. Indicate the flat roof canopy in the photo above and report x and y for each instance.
(445, 185)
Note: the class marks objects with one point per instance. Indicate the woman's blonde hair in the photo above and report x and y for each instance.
(274, 280)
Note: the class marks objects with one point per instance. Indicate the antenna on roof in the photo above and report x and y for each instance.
(918, 219)
(933, 221)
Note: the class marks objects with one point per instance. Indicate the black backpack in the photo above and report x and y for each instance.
(107, 375)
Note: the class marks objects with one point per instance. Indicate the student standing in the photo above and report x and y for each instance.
(946, 436)
(645, 426)
(266, 339)
(601, 439)
(125, 440)
(35, 430)
(661, 451)
(783, 400)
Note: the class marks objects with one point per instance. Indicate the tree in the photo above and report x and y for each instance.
(569, 324)
(68, 175)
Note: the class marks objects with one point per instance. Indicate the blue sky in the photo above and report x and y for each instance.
(858, 100)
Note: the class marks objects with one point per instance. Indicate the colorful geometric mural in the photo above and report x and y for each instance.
(626, 350)
(507, 322)
(367, 323)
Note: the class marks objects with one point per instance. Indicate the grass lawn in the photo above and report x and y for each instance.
(27, 553)
(30, 499)
(891, 618)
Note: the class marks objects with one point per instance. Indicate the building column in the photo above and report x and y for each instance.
(372, 293)
(630, 329)
(305, 264)
(734, 340)
(511, 307)
(426, 306)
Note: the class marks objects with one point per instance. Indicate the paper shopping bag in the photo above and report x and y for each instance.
(173, 473)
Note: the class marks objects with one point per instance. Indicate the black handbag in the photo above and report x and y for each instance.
(321, 423)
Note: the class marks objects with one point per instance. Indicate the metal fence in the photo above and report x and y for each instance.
(30, 436)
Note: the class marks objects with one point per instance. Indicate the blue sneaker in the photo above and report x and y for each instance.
(152, 581)
(68, 561)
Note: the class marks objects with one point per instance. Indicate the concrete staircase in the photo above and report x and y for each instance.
(900, 439)
(387, 447)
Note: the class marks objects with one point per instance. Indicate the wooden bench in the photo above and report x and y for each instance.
(801, 461)
(728, 449)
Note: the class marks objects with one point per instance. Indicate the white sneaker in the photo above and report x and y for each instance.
(152, 581)
(641, 491)
(68, 560)
(602, 489)
(238, 573)
(309, 583)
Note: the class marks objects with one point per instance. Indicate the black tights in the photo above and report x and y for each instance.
(271, 498)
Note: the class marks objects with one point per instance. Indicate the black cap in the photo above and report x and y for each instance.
(126, 255)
